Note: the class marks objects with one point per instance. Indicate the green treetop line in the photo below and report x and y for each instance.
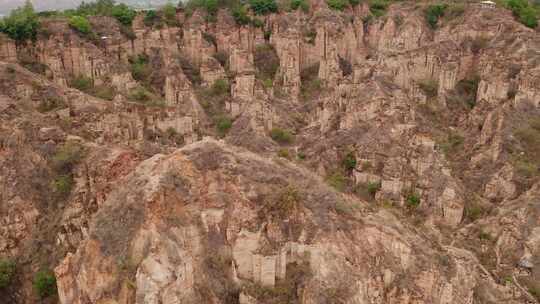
(23, 24)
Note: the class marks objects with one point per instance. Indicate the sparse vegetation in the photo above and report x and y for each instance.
(474, 211)
(344, 208)
(367, 191)
(288, 201)
(451, 144)
(82, 83)
(284, 153)
(266, 61)
(45, 284)
(7, 273)
(430, 87)
(527, 162)
(223, 124)
(349, 161)
(337, 180)
(338, 5)
(81, 25)
(378, 7)
(281, 136)
(311, 84)
(63, 184)
(345, 66)
(285, 291)
(433, 13)
(66, 157)
(465, 92)
(300, 4)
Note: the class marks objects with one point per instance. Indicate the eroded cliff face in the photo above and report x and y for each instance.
(430, 136)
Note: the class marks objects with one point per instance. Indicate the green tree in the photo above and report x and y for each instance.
(263, 7)
(123, 14)
(80, 24)
(169, 13)
(22, 24)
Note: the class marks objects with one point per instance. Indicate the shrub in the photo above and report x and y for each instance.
(337, 180)
(140, 94)
(140, 70)
(82, 83)
(344, 208)
(66, 157)
(338, 5)
(286, 202)
(373, 188)
(345, 66)
(22, 24)
(45, 283)
(266, 61)
(281, 136)
(430, 87)
(7, 273)
(433, 13)
(263, 7)
(349, 161)
(123, 14)
(80, 24)
(62, 184)
(302, 4)
(528, 134)
(412, 199)
(284, 153)
(222, 57)
(453, 142)
(474, 211)
(223, 124)
(220, 87)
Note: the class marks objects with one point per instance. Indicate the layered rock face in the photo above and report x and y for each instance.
(325, 157)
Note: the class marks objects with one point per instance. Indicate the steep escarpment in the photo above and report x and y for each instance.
(316, 156)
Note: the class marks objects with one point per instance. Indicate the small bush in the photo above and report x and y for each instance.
(140, 69)
(80, 24)
(286, 202)
(45, 283)
(344, 208)
(281, 136)
(223, 125)
(7, 273)
(337, 180)
(284, 153)
(220, 87)
(373, 188)
(337, 5)
(263, 7)
(266, 61)
(433, 13)
(474, 211)
(349, 161)
(412, 199)
(66, 157)
(310, 35)
(82, 83)
(345, 66)
(63, 184)
(302, 4)
(452, 144)
(430, 87)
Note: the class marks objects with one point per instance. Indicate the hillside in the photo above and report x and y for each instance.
(291, 152)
